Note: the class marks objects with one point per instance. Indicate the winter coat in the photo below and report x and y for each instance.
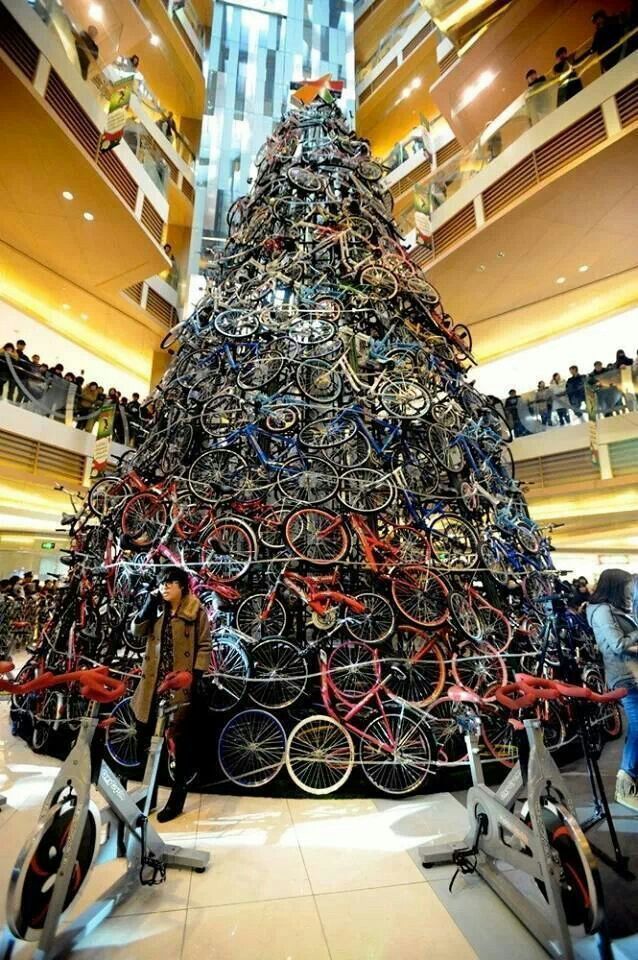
(615, 631)
(191, 651)
(559, 394)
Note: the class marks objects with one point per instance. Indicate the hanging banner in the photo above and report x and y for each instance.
(104, 439)
(591, 405)
(117, 113)
(422, 215)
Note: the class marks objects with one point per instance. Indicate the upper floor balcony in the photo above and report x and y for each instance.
(58, 174)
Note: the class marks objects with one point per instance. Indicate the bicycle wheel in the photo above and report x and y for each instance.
(404, 399)
(420, 473)
(282, 418)
(528, 536)
(251, 748)
(261, 616)
(318, 380)
(453, 542)
(317, 536)
(305, 179)
(352, 670)
(106, 495)
(497, 734)
(477, 667)
(226, 677)
(495, 627)
(448, 453)
(465, 616)
(144, 518)
(319, 755)
(122, 737)
(280, 674)
(326, 433)
(229, 550)
(236, 324)
(493, 562)
(397, 752)
(310, 329)
(32, 880)
(222, 414)
(420, 596)
(217, 473)
(258, 372)
(270, 530)
(365, 490)
(417, 674)
(375, 624)
(384, 283)
(444, 715)
(307, 480)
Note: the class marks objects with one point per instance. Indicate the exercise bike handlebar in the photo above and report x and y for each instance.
(95, 684)
(176, 680)
(528, 690)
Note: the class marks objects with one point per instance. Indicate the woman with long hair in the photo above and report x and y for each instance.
(611, 615)
(176, 626)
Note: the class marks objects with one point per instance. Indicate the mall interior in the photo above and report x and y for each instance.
(319, 475)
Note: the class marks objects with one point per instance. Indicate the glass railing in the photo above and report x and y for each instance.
(415, 143)
(612, 392)
(88, 34)
(414, 11)
(528, 109)
(49, 395)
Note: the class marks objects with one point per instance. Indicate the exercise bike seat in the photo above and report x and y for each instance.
(460, 695)
(6, 666)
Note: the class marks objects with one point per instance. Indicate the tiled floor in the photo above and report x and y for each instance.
(315, 879)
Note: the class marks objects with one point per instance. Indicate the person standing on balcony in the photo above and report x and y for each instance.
(575, 389)
(570, 83)
(611, 615)
(512, 415)
(544, 403)
(608, 34)
(87, 49)
(559, 398)
(167, 125)
(7, 359)
(622, 360)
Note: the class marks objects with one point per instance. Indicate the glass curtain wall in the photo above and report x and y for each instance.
(257, 48)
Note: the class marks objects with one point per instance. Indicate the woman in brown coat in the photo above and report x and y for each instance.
(177, 639)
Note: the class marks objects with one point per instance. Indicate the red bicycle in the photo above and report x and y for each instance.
(396, 750)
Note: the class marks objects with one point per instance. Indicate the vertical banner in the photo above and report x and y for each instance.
(104, 438)
(591, 405)
(117, 113)
(422, 215)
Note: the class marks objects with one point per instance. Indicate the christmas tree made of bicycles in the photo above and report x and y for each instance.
(342, 497)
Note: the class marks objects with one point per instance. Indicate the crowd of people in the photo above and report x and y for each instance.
(563, 400)
(614, 38)
(26, 379)
(26, 603)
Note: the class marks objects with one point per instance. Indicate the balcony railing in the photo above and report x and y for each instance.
(499, 168)
(404, 38)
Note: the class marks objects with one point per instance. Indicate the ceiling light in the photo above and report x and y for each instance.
(416, 83)
(561, 279)
(88, 216)
(406, 92)
(66, 306)
(84, 316)
(155, 40)
(481, 268)
(67, 195)
(96, 12)
(584, 268)
(500, 254)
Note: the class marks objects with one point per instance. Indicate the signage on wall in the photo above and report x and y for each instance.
(104, 438)
(47, 545)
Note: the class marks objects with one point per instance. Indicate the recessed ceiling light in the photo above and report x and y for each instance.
(416, 83)
(561, 279)
(88, 216)
(481, 268)
(66, 306)
(96, 12)
(67, 195)
(500, 254)
(155, 40)
(84, 316)
(584, 268)
(406, 91)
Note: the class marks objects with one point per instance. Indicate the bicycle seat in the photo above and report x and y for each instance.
(176, 680)
(6, 666)
(460, 695)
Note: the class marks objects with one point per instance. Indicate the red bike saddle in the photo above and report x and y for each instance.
(6, 666)
(460, 695)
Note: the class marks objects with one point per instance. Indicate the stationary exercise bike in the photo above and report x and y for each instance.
(72, 834)
(543, 840)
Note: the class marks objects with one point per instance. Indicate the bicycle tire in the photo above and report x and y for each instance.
(420, 596)
(317, 536)
(449, 454)
(280, 674)
(216, 473)
(464, 615)
(228, 659)
(251, 748)
(229, 550)
(144, 518)
(404, 399)
(404, 771)
(307, 480)
(376, 624)
(319, 755)
(318, 381)
(249, 617)
(420, 677)
(364, 490)
(236, 324)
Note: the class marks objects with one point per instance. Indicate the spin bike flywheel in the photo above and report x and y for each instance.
(33, 876)
(580, 884)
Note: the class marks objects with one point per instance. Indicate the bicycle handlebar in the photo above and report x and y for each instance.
(95, 684)
(176, 680)
(530, 689)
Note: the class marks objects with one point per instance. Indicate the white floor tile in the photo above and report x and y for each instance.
(146, 937)
(406, 922)
(274, 930)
